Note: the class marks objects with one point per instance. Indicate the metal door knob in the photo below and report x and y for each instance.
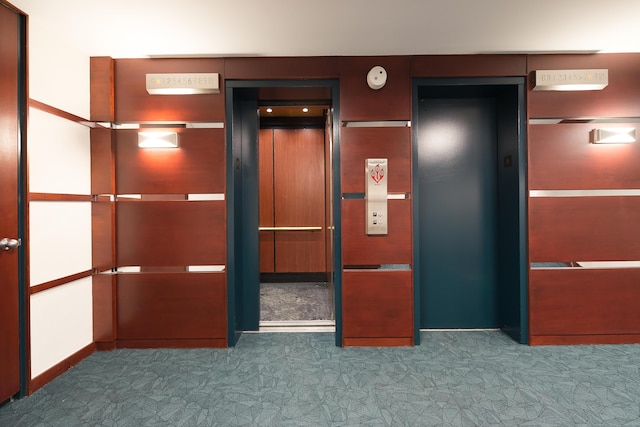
(6, 243)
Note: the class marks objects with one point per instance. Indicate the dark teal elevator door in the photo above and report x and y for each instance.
(457, 160)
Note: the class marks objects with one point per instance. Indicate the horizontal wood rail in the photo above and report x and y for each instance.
(289, 228)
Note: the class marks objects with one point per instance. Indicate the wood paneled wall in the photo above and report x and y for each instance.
(583, 304)
(561, 229)
(159, 211)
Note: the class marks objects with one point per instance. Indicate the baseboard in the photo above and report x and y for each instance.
(378, 342)
(173, 343)
(584, 339)
(59, 368)
(105, 346)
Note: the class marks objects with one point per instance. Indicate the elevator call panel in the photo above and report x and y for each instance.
(377, 171)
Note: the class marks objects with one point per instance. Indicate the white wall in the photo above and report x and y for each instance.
(58, 155)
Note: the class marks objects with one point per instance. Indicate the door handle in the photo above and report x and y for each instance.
(6, 243)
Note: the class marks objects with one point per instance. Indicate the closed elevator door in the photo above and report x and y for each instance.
(457, 156)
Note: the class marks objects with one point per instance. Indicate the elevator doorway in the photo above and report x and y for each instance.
(245, 257)
(471, 207)
(296, 290)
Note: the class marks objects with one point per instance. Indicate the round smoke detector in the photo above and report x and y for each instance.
(377, 77)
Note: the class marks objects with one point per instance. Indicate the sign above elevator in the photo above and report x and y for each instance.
(596, 79)
(183, 84)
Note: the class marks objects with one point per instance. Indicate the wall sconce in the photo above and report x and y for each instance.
(156, 139)
(613, 136)
(183, 84)
(545, 80)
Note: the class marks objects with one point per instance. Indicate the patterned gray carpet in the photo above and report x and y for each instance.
(295, 379)
(295, 301)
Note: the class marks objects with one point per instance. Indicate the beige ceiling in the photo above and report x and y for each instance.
(139, 28)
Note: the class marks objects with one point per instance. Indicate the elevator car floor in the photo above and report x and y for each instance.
(295, 379)
(295, 301)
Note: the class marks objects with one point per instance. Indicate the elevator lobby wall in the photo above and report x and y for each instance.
(377, 304)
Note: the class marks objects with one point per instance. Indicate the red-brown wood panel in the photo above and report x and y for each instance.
(133, 103)
(299, 181)
(196, 166)
(102, 253)
(359, 102)
(11, 111)
(561, 157)
(377, 304)
(584, 229)
(172, 306)
(584, 302)
(104, 309)
(282, 68)
(102, 175)
(171, 233)
(618, 99)
(359, 144)
(469, 66)
(360, 249)
(101, 89)
(265, 182)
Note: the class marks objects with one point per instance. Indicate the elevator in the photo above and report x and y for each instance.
(281, 209)
(470, 185)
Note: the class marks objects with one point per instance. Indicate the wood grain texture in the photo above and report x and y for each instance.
(360, 249)
(359, 144)
(134, 104)
(584, 302)
(171, 306)
(282, 68)
(102, 235)
(584, 229)
(197, 166)
(102, 161)
(359, 102)
(104, 307)
(561, 157)
(266, 207)
(171, 233)
(10, 149)
(377, 304)
(102, 105)
(618, 99)
(299, 181)
(469, 66)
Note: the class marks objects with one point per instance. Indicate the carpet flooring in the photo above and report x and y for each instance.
(295, 301)
(294, 379)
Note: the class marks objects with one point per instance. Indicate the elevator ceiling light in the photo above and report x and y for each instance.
(305, 110)
(156, 139)
(269, 110)
(183, 84)
(613, 136)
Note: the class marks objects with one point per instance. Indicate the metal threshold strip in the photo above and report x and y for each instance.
(297, 326)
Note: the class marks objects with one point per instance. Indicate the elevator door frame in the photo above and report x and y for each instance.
(242, 200)
(519, 329)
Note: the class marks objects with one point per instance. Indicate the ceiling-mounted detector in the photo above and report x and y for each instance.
(377, 77)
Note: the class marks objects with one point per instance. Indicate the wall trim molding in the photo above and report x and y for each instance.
(59, 282)
(59, 368)
(60, 113)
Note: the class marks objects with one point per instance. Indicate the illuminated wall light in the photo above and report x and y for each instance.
(156, 139)
(269, 110)
(564, 80)
(613, 136)
(305, 110)
(183, 84)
